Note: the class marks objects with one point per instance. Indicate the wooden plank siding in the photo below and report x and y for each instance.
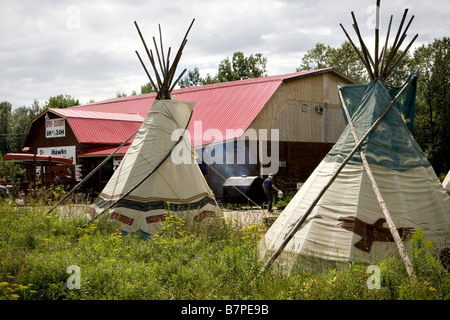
(35, 137)
(284, 111)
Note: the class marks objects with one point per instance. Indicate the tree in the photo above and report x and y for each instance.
(5, 120)
(315, 58)
(121, 94)
(20, 119)
(433, 102)
(344, 59)
(432, 112)
(35, 109)
(241, 67)
(192, 79)
(147, 88)
(209, 79)
(61, 101)
(14, 124)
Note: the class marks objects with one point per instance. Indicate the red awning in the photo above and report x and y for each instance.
(104, 152)
(27, 157)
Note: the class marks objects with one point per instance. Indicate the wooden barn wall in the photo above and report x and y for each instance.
(300, 159)
(36, 137)
(285, 110)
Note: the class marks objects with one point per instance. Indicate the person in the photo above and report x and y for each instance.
(268, 187)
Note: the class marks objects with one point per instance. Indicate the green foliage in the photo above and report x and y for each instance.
(346, 60)
(432, 112)
(61, 101)
(433, 102)
(185, 261)
(192, 79)
(238, 68)
(14, 122)
(285, 200)
(147, 88)
(241, 67)
(343, 59)
(6, 169)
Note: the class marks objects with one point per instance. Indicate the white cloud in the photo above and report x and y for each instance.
(86, 48)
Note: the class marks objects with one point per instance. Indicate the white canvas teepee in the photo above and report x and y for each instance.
(178, 188)
(375, 187)
(148, 183)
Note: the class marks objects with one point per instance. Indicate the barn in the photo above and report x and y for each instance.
(284, 124)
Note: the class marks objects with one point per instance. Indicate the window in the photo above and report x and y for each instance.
(304, 108)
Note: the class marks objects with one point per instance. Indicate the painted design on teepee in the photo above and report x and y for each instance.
(371, 232)
(391, 144)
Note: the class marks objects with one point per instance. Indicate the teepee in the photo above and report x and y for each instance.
(374, 188)
(148, 183)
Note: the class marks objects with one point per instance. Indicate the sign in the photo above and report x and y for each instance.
(66, 151)
(78, 173)
(116, 161)
(55, 128)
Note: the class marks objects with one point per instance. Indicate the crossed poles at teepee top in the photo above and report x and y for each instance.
(357, 147)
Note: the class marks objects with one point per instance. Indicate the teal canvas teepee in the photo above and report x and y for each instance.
(347, 223)
(375, 187)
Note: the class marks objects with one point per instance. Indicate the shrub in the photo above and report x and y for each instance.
(186, 261)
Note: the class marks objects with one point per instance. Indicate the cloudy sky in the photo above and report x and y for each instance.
(86, 48)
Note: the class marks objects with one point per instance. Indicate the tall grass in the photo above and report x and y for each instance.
(185, 261)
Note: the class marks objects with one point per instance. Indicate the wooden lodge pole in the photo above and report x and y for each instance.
(91, 173)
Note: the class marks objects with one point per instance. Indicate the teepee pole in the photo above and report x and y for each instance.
(377, 36)
(394, 231)
(299, 223)
(91, 173)
(385, 48)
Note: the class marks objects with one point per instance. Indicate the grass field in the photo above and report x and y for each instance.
(50, 257)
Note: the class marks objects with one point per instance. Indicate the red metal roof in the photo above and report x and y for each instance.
(100, 127)
(229, 105)
(105, 151)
